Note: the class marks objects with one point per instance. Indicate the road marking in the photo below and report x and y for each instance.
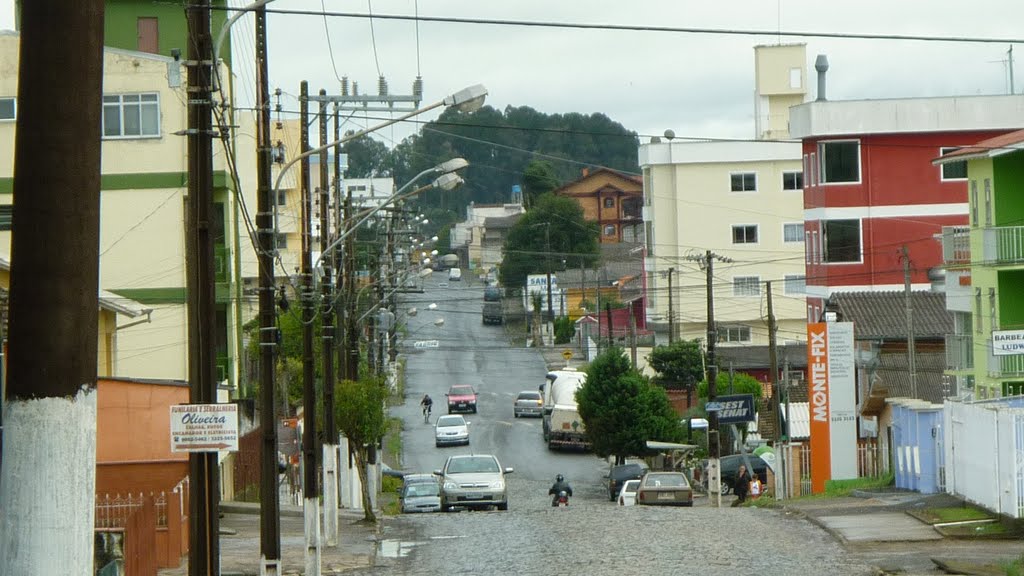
(447, 537)
(503, 422)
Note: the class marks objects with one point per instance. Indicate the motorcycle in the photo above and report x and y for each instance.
(563, 499)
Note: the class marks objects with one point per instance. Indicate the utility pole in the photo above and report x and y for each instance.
(773, 373)
(608, 313)
(204, 475)
(632, 333)
(311, 504)
(547, 268)
(50, 424)
(707, 261)
(330, 446)
(671, 310)
(911, 352)
(270, 511)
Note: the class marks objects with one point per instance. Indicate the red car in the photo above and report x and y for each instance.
(461, 398)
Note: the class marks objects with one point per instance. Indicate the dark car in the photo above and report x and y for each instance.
(730, 466)
(492, 294)
(618, 475)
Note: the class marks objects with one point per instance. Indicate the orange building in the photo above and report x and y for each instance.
(612, 199)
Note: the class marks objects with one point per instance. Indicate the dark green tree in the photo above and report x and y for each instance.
(367, 158)
(621, 410)
(571, 238)
(680, 365)
(359, 412)
(741, 384)
(538, 179)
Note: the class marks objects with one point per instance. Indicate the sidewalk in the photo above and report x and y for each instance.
(240, 542)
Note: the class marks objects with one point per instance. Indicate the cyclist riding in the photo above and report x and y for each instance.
(427, 405)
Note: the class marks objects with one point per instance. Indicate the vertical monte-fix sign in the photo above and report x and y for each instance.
(831, 389)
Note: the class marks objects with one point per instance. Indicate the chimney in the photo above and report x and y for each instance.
(821, 66)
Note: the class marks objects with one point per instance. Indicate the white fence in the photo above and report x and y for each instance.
(984, 454)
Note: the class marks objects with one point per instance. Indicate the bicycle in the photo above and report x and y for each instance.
(426, 414)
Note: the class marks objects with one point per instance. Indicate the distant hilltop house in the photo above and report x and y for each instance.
(614, 200)
(479, 240)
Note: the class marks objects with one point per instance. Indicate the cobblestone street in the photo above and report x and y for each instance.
(596, 537)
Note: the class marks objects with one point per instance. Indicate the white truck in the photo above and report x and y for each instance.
(563, 427)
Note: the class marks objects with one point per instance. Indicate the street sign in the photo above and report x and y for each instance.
(567, 354)
(204, 428)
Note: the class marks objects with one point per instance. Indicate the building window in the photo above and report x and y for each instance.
(734, 334)
(840, 161)
(992, 309)
(281, 242)
(131, 115)
(795, 284)
(988, 202)
(814, 169)
(744, 234)
(807, 172)
(746, 286)
(282, 197)
(6, 216)
(953, 170)
(649, 237)
(977, 310)
(792, 180)
(796, 78)
(8, 109)
(793, 232)
(841, 239)
(609, 202)
(807, 247)
(609, 230)
(743, 182)
(974, 203)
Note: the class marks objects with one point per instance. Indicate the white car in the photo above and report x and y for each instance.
(451, 429)
(627, 496)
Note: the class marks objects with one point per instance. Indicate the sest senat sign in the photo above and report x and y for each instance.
(204, 427)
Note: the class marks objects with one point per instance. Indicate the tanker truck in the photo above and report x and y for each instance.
(562, 425)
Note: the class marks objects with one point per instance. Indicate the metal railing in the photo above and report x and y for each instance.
(113, 510)
(1005, 366)
(956, 245)
(1004, 244)
(959, 351)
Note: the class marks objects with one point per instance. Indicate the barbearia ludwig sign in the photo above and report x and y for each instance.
(1007, 342)
(204, 427)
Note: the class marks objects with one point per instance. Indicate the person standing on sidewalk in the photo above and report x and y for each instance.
(741, 486)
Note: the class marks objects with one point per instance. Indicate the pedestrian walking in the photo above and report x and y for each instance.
(741, 486)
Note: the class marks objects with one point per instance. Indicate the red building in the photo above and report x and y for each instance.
(870, 189)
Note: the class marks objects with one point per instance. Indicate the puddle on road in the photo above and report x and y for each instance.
(395, 548)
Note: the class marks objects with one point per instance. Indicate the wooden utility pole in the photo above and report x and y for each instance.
(773, 375)
(204, 476)
(911, 345)
(330, 445)
(47, 483)
(671, 311)
(270, 509)
(608, 313)
(311, 503)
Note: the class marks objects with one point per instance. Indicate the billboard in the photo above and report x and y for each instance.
(734, 409)
(538, 284)
(832, 393)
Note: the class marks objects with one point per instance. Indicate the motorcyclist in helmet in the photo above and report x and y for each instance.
(560, 485)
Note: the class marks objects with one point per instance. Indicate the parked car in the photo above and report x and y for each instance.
(492, 294)
(473, 481)
(618, 475)
(450, 430)
(664, 489)
(528, 403)
(454, 275)
(730, 466)
(627, 496)
(461, 398)
(421, 496)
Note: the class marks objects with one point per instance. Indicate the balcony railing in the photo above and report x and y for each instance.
(956, 245)
(1004, 244)
(959, 351)
(1005, 366)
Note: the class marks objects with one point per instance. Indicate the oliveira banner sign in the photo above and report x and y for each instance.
(831, 389)
(204, 427)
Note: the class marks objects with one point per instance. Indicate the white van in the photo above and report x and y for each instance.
(454, 274)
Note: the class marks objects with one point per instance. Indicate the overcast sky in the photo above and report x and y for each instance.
(699, 85)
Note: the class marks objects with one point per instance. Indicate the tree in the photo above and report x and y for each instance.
(741, 384)
(622, 410)
(680, 365)
(367, 158)
(570, 236)
(538, 179)
(359, 412)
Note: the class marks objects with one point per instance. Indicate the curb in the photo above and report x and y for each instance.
(814, 520)
(288, 510)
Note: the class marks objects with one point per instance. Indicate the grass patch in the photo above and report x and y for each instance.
(1014, 568)
(840, 488)
(957, 514)
(390, 485)
(389, 503)
(393, 440)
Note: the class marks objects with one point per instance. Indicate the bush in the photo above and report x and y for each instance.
(565, 329)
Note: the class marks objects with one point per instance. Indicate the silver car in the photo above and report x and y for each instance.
(473, 481)
(421, 496)
(528, 403)
(451, 429)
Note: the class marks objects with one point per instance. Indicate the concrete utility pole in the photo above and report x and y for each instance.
(310, 501)
(204, 471)
(773, 370)
(270, 509)
(50, 425)
(330, 446)
(911, 352)
(714, 449)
